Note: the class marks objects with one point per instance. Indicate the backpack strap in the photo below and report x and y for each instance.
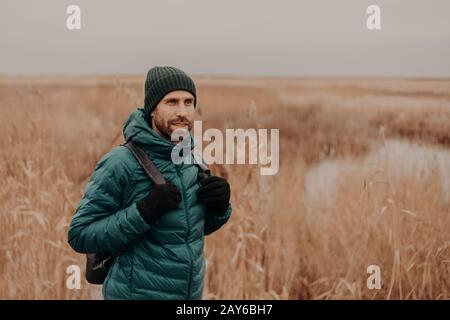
(145, 162)
(153, 172)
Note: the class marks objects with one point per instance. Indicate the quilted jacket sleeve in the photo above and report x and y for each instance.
(99, 224)
(214, 222)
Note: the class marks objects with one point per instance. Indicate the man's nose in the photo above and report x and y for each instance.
(181, 110)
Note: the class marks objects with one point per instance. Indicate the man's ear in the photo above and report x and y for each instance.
(148, 119)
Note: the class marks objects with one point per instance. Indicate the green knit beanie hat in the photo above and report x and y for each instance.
(162, 80)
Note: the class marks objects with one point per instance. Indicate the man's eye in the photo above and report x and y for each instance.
(189, 102)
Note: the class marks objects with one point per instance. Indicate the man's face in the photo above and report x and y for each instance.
(174, 111)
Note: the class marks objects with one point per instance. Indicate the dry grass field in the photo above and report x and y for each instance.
(364, 179)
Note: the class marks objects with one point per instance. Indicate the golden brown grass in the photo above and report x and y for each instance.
(364, 179)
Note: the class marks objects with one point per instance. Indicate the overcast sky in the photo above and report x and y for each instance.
(310, 38)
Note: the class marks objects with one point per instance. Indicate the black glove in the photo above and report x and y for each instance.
(215, 194)
(161, 199)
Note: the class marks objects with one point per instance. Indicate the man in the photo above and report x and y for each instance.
(156, 232)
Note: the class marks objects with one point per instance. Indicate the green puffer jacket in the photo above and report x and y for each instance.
(161, 261)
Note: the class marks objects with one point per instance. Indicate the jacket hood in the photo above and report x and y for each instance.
(137, 129)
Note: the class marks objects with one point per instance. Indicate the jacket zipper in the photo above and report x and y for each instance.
(187, 233)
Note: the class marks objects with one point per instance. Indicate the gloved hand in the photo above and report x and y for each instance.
(215, 194)
(161, 199)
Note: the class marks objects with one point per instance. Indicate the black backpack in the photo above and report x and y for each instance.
(98, 264)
